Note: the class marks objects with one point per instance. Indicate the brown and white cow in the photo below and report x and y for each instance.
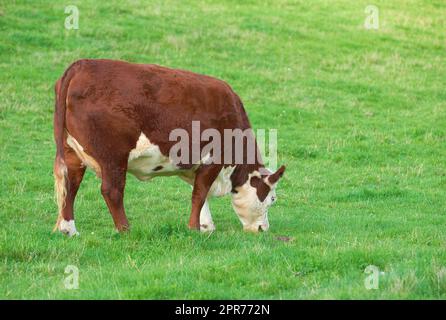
(115, 117)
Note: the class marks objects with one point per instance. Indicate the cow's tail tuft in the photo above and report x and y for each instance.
(60, 187)
(60, 167)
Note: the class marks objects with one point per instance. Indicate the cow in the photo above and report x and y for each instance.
(117, 117)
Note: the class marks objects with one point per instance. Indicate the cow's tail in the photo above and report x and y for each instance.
(60, 168)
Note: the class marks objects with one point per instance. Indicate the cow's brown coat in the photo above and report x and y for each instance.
(105, 105)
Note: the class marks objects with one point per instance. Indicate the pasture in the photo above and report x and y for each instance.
(360, 114)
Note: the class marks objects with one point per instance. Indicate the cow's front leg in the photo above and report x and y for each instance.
(206, 223)
(112, 188)
(204, 177)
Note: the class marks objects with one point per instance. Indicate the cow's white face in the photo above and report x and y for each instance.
(252, 200)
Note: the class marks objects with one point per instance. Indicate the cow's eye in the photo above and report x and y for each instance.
(273, 199)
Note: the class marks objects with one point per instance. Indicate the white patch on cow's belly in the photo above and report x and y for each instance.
(146, 157)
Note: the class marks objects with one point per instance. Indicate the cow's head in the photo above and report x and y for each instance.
(252, 200)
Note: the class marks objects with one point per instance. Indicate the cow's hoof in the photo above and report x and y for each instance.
(210, 227)
(125, 228)
(68, 228)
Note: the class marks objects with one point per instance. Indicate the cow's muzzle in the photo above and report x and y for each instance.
(256, 228)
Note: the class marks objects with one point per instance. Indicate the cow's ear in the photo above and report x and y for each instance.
(273, 178)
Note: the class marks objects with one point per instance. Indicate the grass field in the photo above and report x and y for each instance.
(360, 115)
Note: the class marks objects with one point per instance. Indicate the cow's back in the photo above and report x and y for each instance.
(124, 100)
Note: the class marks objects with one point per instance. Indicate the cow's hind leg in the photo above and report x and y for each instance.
(112, 188)
(68, 174)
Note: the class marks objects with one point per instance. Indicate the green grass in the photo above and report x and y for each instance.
(361, 118)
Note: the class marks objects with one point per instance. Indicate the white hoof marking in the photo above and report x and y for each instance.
(206, 224)
(210, 227)
(68, 228)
